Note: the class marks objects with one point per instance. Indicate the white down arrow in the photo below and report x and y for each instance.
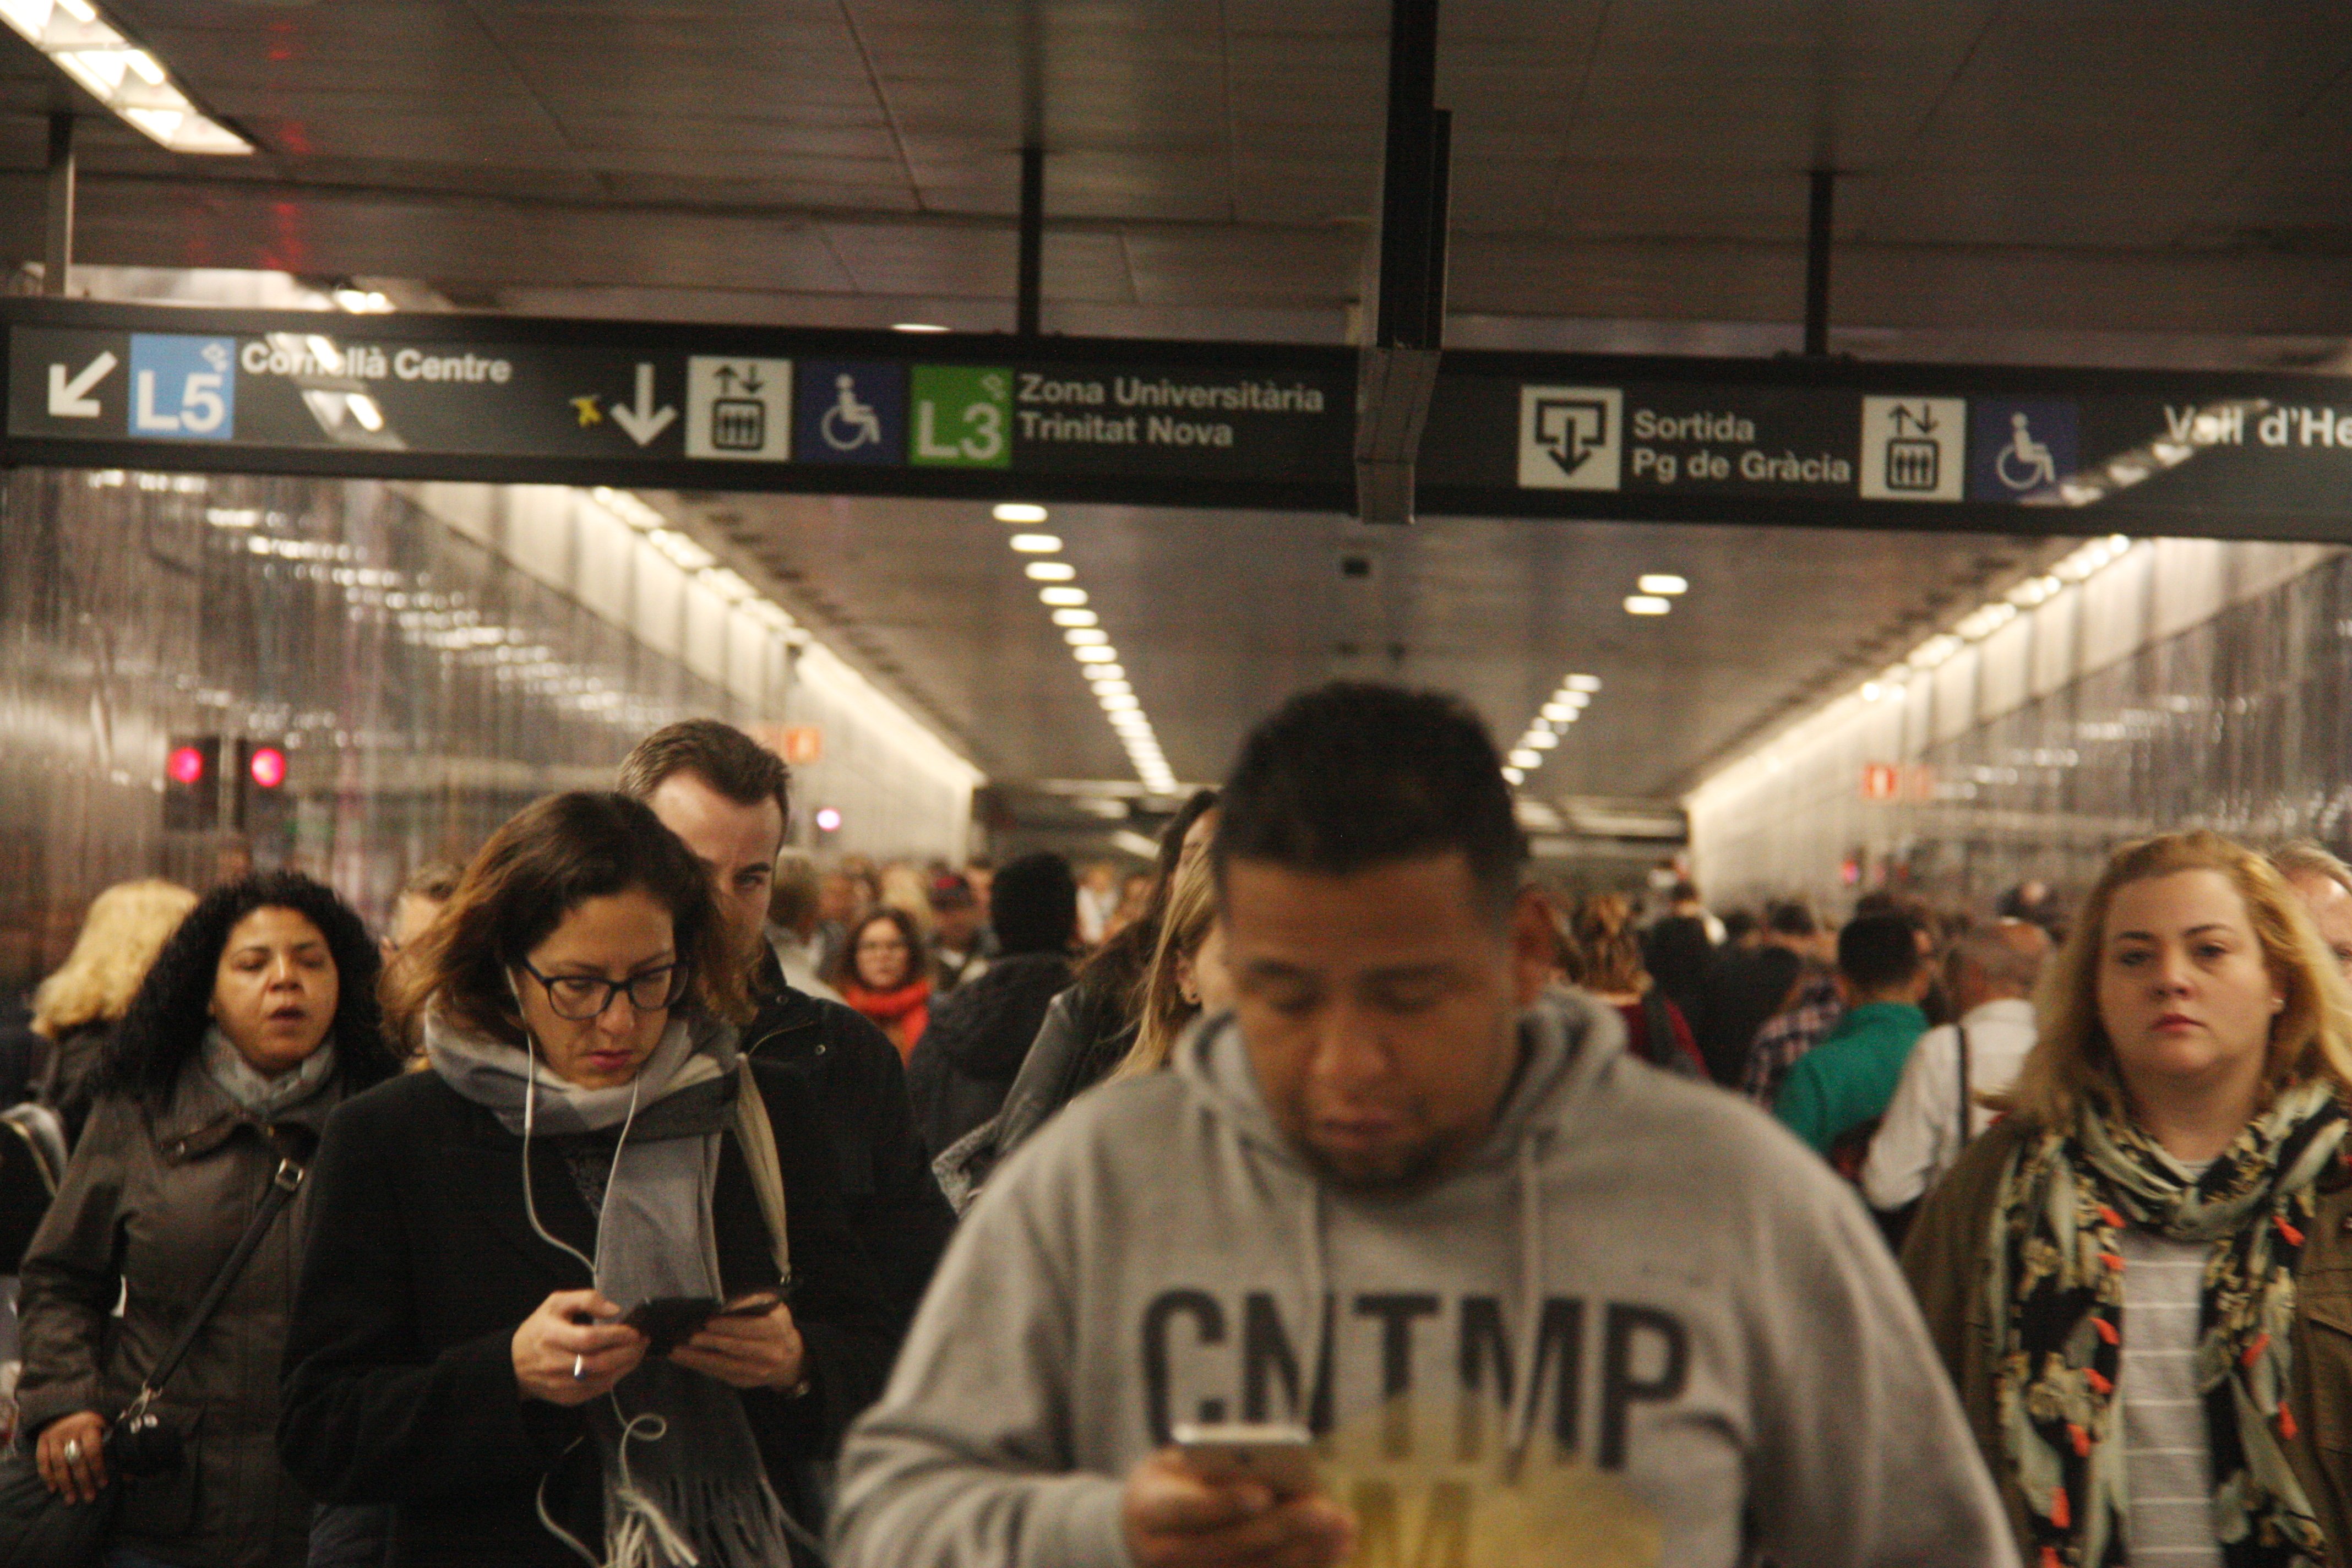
(644, 421)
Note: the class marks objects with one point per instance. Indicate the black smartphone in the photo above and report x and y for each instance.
(668, 1322)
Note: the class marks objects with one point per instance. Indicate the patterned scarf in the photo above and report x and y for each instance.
(2057, 1294)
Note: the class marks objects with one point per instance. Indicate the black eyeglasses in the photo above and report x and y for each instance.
(580, 998)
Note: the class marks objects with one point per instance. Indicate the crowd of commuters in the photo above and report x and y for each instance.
(645, 1194)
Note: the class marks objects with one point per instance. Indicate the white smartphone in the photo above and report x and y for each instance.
(1280, 1456)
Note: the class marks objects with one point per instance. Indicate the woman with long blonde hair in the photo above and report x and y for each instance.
(2124, 1273)
(1187, 974)
(78, 1007)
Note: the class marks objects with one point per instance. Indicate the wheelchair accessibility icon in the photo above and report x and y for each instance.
(849, 425)
(2025, 464)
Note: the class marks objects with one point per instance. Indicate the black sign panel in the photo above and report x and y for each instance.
(690, 406)
(1819, 443)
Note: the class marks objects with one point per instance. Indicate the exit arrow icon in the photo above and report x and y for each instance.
(68, 399)
(644, 421)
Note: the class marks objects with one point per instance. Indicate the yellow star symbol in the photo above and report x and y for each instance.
(589, 413)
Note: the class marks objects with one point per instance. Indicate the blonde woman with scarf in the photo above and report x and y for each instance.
(2141, 1277)
(467, 1345)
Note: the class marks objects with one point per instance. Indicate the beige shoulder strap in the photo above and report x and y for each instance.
(758, 1137)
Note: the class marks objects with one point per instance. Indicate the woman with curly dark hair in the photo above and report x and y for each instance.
(259, 1017)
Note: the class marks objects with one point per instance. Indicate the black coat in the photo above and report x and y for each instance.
(882, 1168)
(977, 1039)
(399, 1384)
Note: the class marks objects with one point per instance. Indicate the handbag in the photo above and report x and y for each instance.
(38, 1529)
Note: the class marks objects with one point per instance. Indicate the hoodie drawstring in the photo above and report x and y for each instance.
(1526, 1397)
(1319, 1311)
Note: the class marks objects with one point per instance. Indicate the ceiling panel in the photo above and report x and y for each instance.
(1217, 614)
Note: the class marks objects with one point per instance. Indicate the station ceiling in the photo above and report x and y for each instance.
(2106, 181)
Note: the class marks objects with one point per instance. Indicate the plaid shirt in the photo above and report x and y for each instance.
(1788, 1035)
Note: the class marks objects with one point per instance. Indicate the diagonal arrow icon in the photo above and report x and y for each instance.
(69, 399)
(644, 422)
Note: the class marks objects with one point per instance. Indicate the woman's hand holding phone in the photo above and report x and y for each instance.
(751, 1342)
(573, 1348)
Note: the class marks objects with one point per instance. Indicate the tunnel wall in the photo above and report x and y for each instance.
(2184, 682)
(430, 658)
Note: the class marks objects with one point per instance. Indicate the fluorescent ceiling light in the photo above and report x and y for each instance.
(1542, 740)
(1051, 571)
(1107, 672)
(1075, 619)
(1035, 543)
(1084, 636)
(1515, 775)
(1018, 512)
(1559, 713)
(916, 327)
(1583, 683)
(364, 410)
(1647, 605)
(1115, 702)
(359, 301)
(1524, 758)
(1096, 654)
(125, 78)
(1663, 582)
(1061, 595)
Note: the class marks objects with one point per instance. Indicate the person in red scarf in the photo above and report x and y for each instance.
(883, 976)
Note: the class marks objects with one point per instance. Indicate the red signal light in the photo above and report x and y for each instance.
(185, 765)
(268, 766)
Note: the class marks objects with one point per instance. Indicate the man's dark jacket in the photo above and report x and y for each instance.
(976, 1041)
(893, 1201)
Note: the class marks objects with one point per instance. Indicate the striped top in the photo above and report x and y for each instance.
(2165, 1461)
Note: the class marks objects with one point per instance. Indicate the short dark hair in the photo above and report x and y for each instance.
(169, 1014)
(1878, 952)
(730, 762)
(1790, 917)
(1033, 906)
(1356, 774)
(545, 861)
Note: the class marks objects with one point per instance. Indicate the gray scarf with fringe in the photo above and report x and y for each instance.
(684, 1482)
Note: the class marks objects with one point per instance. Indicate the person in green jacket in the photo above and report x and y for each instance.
(1845, 1081)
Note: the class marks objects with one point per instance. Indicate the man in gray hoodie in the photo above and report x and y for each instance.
(1539, 1301)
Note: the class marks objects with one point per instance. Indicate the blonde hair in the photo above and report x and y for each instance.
(2310, 1038)
(1612, 951)
(126, 927)
(1165, 1013)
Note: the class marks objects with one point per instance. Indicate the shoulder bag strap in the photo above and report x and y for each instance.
(758, 1136)
(282, 1188)
(1967, 1118)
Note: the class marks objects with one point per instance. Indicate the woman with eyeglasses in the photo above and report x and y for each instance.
(583, 1289)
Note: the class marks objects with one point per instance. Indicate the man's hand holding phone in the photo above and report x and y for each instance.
(1232, 1501)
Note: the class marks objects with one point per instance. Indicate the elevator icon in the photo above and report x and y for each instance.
(1914, 448)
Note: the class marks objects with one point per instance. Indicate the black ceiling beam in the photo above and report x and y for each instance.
(1398, 369)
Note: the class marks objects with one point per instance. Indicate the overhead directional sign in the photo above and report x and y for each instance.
(1817, 443)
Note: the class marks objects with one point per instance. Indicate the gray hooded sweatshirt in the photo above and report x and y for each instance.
(1667, 1307)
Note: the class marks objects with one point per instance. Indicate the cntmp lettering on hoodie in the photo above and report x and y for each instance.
(1233, 1355)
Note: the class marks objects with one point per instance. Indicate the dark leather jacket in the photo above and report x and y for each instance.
(893, 1205)
(157, 1203)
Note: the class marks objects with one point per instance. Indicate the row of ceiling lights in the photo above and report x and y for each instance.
(1561, 709)
(119, 74)
(1088, 643)
(1980, 623)
(1657, 591)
